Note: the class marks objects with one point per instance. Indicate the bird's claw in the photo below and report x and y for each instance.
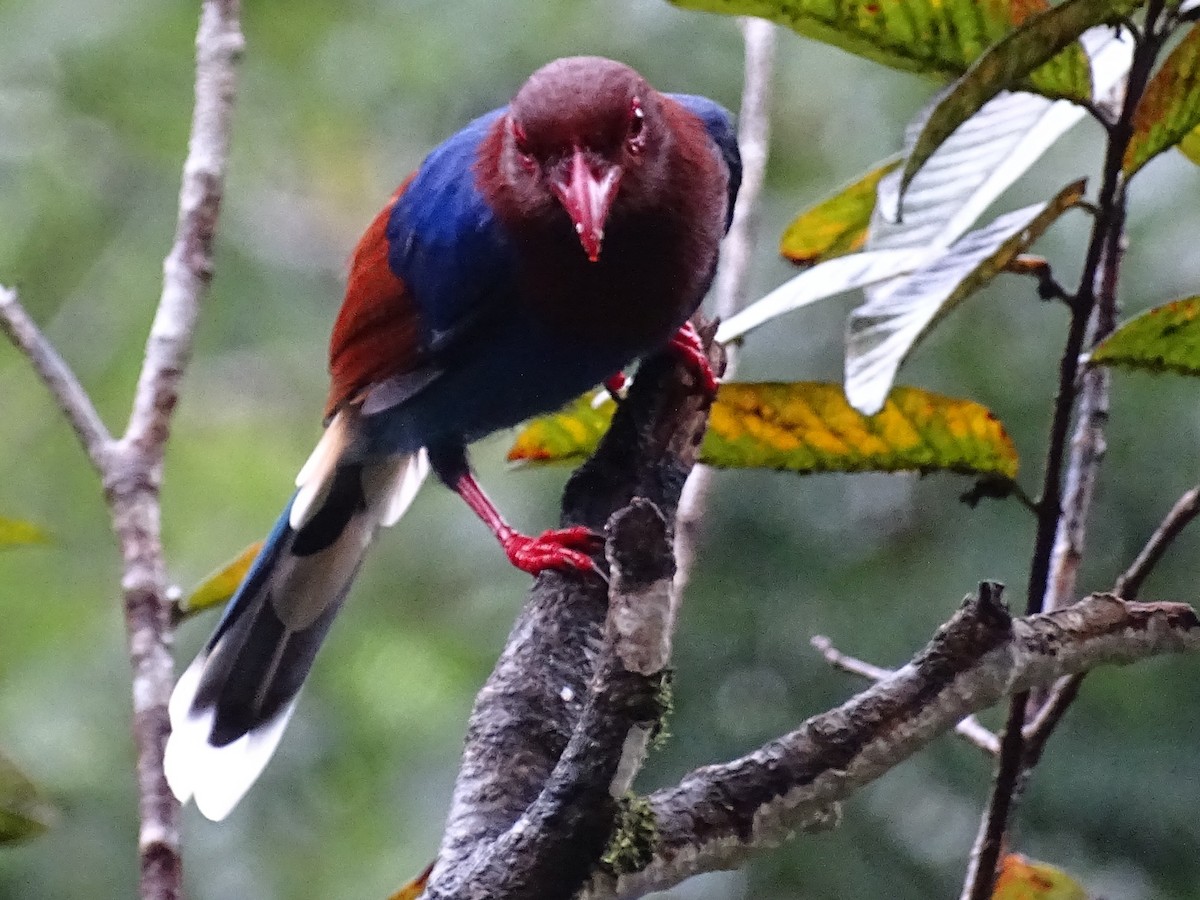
(561, 548)
(686, 344)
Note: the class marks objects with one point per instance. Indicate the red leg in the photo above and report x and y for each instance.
(687, 345)
(616, 385)
(556, 549)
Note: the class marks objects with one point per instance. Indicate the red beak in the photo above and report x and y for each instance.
(587, 196)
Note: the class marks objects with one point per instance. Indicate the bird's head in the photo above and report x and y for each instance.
(587, 134)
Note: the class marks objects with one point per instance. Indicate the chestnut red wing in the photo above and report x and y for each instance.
(377, 333)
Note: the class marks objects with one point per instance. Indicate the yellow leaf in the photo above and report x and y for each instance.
(14, 533)
(807, 427)
(219, 586)
(1026, 879)
(568, 435)
(836, 225)
(1190, 145)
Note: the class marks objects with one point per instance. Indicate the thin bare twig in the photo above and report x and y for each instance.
(131, 468)
(1088, 444)
(68, 393)
(187, 270)
(1100, 270)
(1064, 692)
(969, 729)
(754, 135)
(1185, 509)
(849, 664)
(754, 131)
(1057, 702)
(1038, 268)
(133, 484)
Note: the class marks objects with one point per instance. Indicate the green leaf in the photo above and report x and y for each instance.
(1163, 339)
(807, 427)
(568, 435)
(883, 331)
(1190, 145)
(220, 584)
(1169, 111)
(15, 533)
(24, 812)
(1047, 36)
(1027, 879)
(939, 37)
(838, 224)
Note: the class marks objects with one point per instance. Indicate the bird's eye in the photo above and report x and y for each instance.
(635, 139)
(524, 150)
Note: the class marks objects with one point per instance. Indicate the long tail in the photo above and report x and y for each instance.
(230, 706)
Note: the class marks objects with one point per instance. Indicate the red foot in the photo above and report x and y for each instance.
(687, 345)
(556, 549)
(616, 385)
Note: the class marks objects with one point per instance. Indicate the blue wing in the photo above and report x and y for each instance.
(444, 241)
(718, 122)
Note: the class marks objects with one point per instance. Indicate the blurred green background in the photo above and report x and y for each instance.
(337, 103)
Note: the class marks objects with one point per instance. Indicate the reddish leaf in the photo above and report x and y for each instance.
(1027, 879)
(1170, 108)
(416, 887)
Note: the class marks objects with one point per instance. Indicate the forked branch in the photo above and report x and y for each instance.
(718, 816)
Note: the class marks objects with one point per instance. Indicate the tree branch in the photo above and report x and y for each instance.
(58, 378)
(187, 270)
(719, 815)
(542, 753)
(1054, 528)
(528, 795)
(555, 842)
(754, 137)
(1088, 447)
(132, 484)
(131, 468)
(1059, 700)
(1088, 444)
(969, 729)
(1185, 509)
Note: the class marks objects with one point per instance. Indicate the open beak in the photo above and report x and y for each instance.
(587, 196)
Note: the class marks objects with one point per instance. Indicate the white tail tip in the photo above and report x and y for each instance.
(215, 777)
